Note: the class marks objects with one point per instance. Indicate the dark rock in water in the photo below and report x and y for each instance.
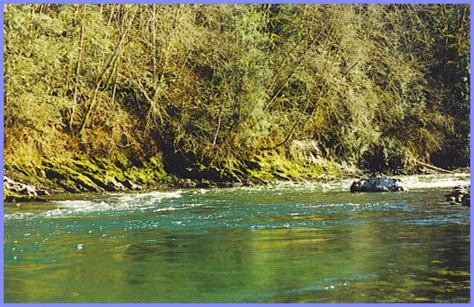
(466, 201)
(377, 184)
(460, 194)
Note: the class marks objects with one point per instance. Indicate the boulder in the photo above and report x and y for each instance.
(460, 194)
(377, 184)
(17, 191)
(466, 201)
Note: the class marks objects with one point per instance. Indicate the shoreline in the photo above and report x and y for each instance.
(43, 191)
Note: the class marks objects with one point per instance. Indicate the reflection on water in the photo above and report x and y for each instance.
(290, 244)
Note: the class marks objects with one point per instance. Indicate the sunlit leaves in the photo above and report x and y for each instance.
(214, 83)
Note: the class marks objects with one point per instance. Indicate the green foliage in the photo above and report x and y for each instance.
(220, 88)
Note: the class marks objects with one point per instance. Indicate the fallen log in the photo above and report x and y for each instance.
(434, 167)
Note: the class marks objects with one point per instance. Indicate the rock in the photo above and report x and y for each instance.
(228, 184)
(377, 184)
(460, 195)
(205, 183)
(202, 184)
(129, 184)
(466, 201)
(115, 185)
(69, 186)
(8, 183)
(42, 192)
(13, 197)
(20, 192)
(186, 183)
(28, 190)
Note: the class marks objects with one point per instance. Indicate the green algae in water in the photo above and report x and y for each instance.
(273, 244)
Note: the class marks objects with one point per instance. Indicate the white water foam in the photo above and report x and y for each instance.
(435, 181)
(182, 207)
(154, 196)
(411, 182)
(117, 202)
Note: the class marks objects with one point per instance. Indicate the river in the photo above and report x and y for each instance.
(287, 243)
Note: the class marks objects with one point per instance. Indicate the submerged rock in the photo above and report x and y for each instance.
(460, 194)
(377, 184)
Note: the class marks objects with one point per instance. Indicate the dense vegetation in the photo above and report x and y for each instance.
(231, 92)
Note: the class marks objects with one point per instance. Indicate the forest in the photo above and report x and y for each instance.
(98, 96)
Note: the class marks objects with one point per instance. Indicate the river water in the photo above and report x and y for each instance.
(289, 243)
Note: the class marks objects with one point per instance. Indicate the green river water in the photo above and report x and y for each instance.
(290, 243)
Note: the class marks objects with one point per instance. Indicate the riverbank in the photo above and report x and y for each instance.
(84, 174)
(23, 183)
